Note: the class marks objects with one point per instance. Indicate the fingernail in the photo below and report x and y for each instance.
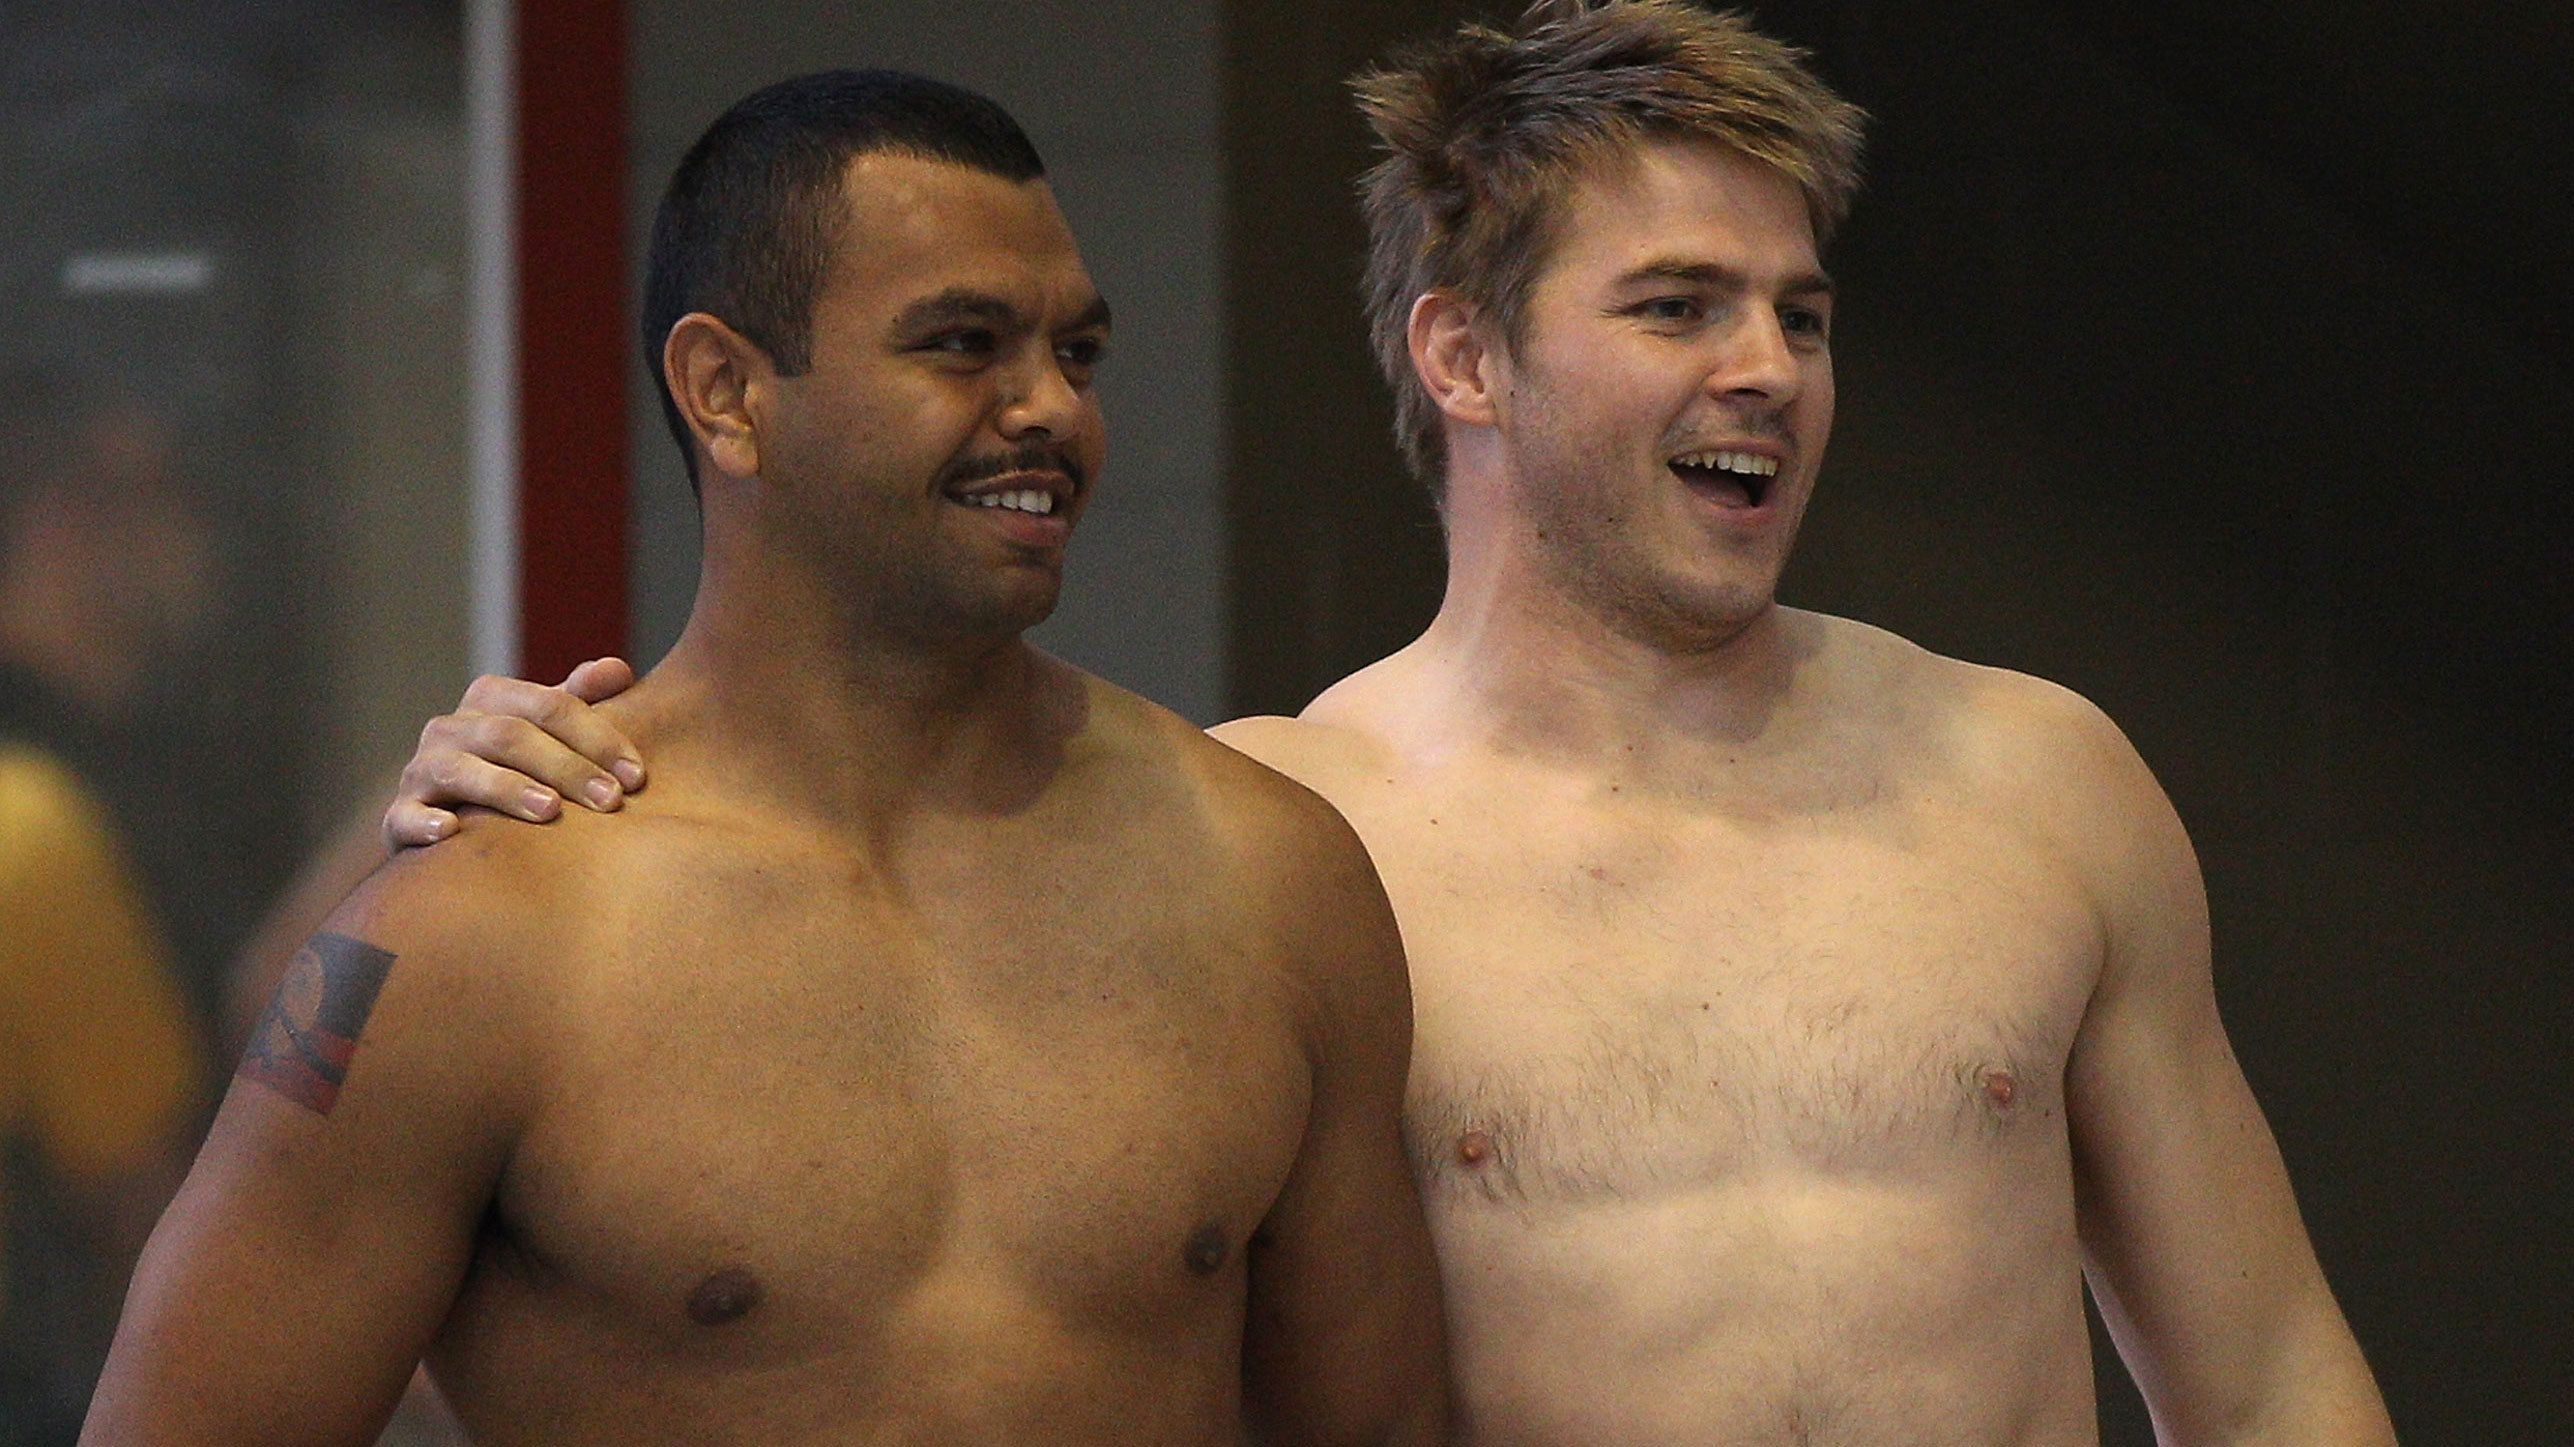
(439, 827)
(539, 803)
(628, 772)
(602, 793)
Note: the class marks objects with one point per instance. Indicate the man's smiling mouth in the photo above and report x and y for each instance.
(1728, 477)
(1028, 500)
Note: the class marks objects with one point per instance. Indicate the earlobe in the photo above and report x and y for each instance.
(711, 370)
(1451, 358)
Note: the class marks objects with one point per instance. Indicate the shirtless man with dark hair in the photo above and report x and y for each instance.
(1802, 1015)
(1038, 1079)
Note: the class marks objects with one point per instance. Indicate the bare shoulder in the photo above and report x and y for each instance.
(1341, 740)
(1288, 863)
(2059, 756)
(1988, 719)
(445, 962)
(1245, 781)
(2022, 743)
(497, 890)
(1325, 754)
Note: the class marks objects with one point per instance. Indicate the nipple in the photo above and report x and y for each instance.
(1474, 1147)
(725, 1297)
(1205, 1249)
(2000, 1088)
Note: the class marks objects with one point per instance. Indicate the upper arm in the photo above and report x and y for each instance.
(331, 1214)
(2195, 1247)
(1343, 1337)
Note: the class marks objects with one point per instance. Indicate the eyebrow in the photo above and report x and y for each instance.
(1093, 316)
(960, 305)
(1723, 278)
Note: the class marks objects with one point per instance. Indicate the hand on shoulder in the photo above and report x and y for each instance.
(520, 749)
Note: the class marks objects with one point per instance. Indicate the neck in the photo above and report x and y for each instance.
(1547, 665)
(804, 701)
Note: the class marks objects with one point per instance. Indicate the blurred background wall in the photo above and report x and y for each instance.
(2213, 360)
(231, 316)
(249, 215)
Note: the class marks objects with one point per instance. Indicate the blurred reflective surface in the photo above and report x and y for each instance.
(231, 560)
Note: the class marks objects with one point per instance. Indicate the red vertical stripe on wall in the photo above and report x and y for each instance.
(572, 332)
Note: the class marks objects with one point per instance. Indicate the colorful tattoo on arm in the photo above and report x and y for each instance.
(309, 1033)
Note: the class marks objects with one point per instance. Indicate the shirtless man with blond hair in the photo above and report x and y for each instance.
(1037, 1077)
(1801, 1016)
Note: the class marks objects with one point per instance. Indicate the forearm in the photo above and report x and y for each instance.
(2328, 1398)
(236, 1333)
(163, 1388)
(141, 1411)
(2313, 1389)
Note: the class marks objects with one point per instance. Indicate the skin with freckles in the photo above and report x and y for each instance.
(1038, 1081)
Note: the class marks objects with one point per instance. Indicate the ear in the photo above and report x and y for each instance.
(1454, 359)
(712, 371)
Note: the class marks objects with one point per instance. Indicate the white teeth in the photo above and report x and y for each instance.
(1750, 464)
(1034, 500)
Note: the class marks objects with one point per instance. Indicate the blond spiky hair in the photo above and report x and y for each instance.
(1485, 131)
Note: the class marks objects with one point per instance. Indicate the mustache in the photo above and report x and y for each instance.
(1763, 425)
(1034, 457)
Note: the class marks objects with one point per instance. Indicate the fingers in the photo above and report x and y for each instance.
(443, 773)
(596, 763)
(505, 762)
(599, 679)
(409, 825)
(519, 748)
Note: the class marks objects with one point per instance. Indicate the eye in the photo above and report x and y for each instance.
(1671, 310)
(1081, 356)
(1798, 321)
(965, 342)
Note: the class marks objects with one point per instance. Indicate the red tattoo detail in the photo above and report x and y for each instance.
(308, 1037)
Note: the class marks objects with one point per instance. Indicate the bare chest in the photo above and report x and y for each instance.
(1621, 1000)
(814, 1117)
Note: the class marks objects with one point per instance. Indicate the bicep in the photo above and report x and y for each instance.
(329, 1218)
(2189, 1225)
(1343, 1340)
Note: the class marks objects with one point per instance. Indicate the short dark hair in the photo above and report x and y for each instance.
(748, 223)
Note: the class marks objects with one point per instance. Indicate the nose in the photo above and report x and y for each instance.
(1757, 365)
(1042, 401)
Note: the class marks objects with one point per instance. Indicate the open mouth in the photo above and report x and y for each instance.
(1032, 490)
(1728, 478)
(1034, 500)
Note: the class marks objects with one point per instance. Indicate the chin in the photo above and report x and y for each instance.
(1020, 609)
(1689, 617)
